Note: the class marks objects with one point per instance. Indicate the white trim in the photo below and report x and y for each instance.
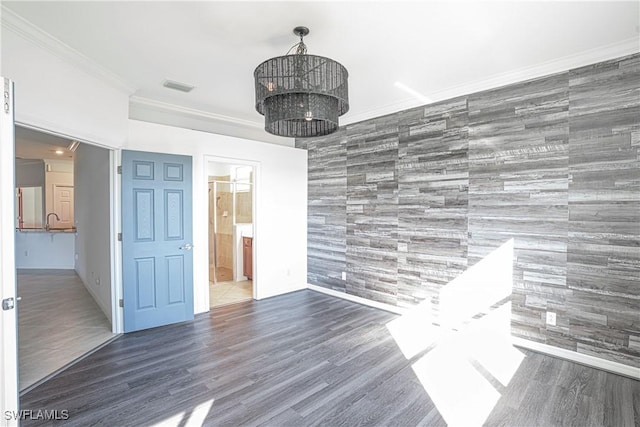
(45, 126)
(567, 63)
(207, 158)
(8, 318)
(117, 312)
(583, 359)
(33, 34)
(180, 110)
(359, 300)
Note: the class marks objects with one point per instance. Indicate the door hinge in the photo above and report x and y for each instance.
(7, 96)
(119, 170)
(119, 237)
(8, 304)
(121, 302)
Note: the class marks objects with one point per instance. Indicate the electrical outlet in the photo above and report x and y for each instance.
(344, 275)
(551, 318)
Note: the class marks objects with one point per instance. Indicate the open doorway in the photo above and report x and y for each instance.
(231, 193)
(62, 247)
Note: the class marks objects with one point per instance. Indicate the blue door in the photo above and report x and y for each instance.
(157, 260)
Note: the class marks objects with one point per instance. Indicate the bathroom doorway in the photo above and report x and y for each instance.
(231, 189)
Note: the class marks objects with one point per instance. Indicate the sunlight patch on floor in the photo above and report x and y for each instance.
(414, 332)
(461, 394)
(193, 418)
(465, 350)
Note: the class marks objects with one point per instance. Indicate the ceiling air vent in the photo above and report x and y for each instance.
(182, 87)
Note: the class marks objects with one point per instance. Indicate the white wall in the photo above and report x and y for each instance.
(58, 95)
(39, 249)
(55, 95)
(92, 221)
(280, 240)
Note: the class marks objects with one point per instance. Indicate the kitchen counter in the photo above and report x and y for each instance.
(42, 230)
(39, 248)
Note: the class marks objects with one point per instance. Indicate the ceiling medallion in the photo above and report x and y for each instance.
(301, 95)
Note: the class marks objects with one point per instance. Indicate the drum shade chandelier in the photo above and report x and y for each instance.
(301, 95)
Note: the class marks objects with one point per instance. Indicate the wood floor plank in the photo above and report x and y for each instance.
(58, 321)
(305, 359)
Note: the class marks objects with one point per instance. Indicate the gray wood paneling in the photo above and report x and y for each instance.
(604, 209)
(433, 181)
(327, 210)
(408, 202)
(518, 181)
(372, 210)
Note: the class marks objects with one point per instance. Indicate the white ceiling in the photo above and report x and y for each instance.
(32, 144)
(399, 54)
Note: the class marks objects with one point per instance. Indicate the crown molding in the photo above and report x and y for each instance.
(566, 63)
(13, 22)
(150, 110)
(194, 113)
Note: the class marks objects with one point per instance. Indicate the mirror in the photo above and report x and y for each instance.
(44, 181)
(29, 207)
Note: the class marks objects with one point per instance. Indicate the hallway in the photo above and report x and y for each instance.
(58, 321)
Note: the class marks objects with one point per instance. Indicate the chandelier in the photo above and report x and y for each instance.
(301, 95)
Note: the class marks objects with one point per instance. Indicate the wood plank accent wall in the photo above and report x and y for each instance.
(407, 202)
(372, 212)
(518, 167)
(603, 268)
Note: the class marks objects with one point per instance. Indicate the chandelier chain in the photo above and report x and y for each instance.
(299, 48)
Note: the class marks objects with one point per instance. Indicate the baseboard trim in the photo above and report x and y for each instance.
(359, 300)
(105, 310)
(583, 359)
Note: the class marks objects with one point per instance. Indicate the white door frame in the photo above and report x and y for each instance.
(115, 181)
(254, 202)
(9, 400)
(114, 200)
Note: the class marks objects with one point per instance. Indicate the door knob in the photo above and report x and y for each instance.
(186, 247)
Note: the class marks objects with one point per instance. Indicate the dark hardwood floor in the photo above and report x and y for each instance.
(307, 359)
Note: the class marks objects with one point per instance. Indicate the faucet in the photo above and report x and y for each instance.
(48, 226)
